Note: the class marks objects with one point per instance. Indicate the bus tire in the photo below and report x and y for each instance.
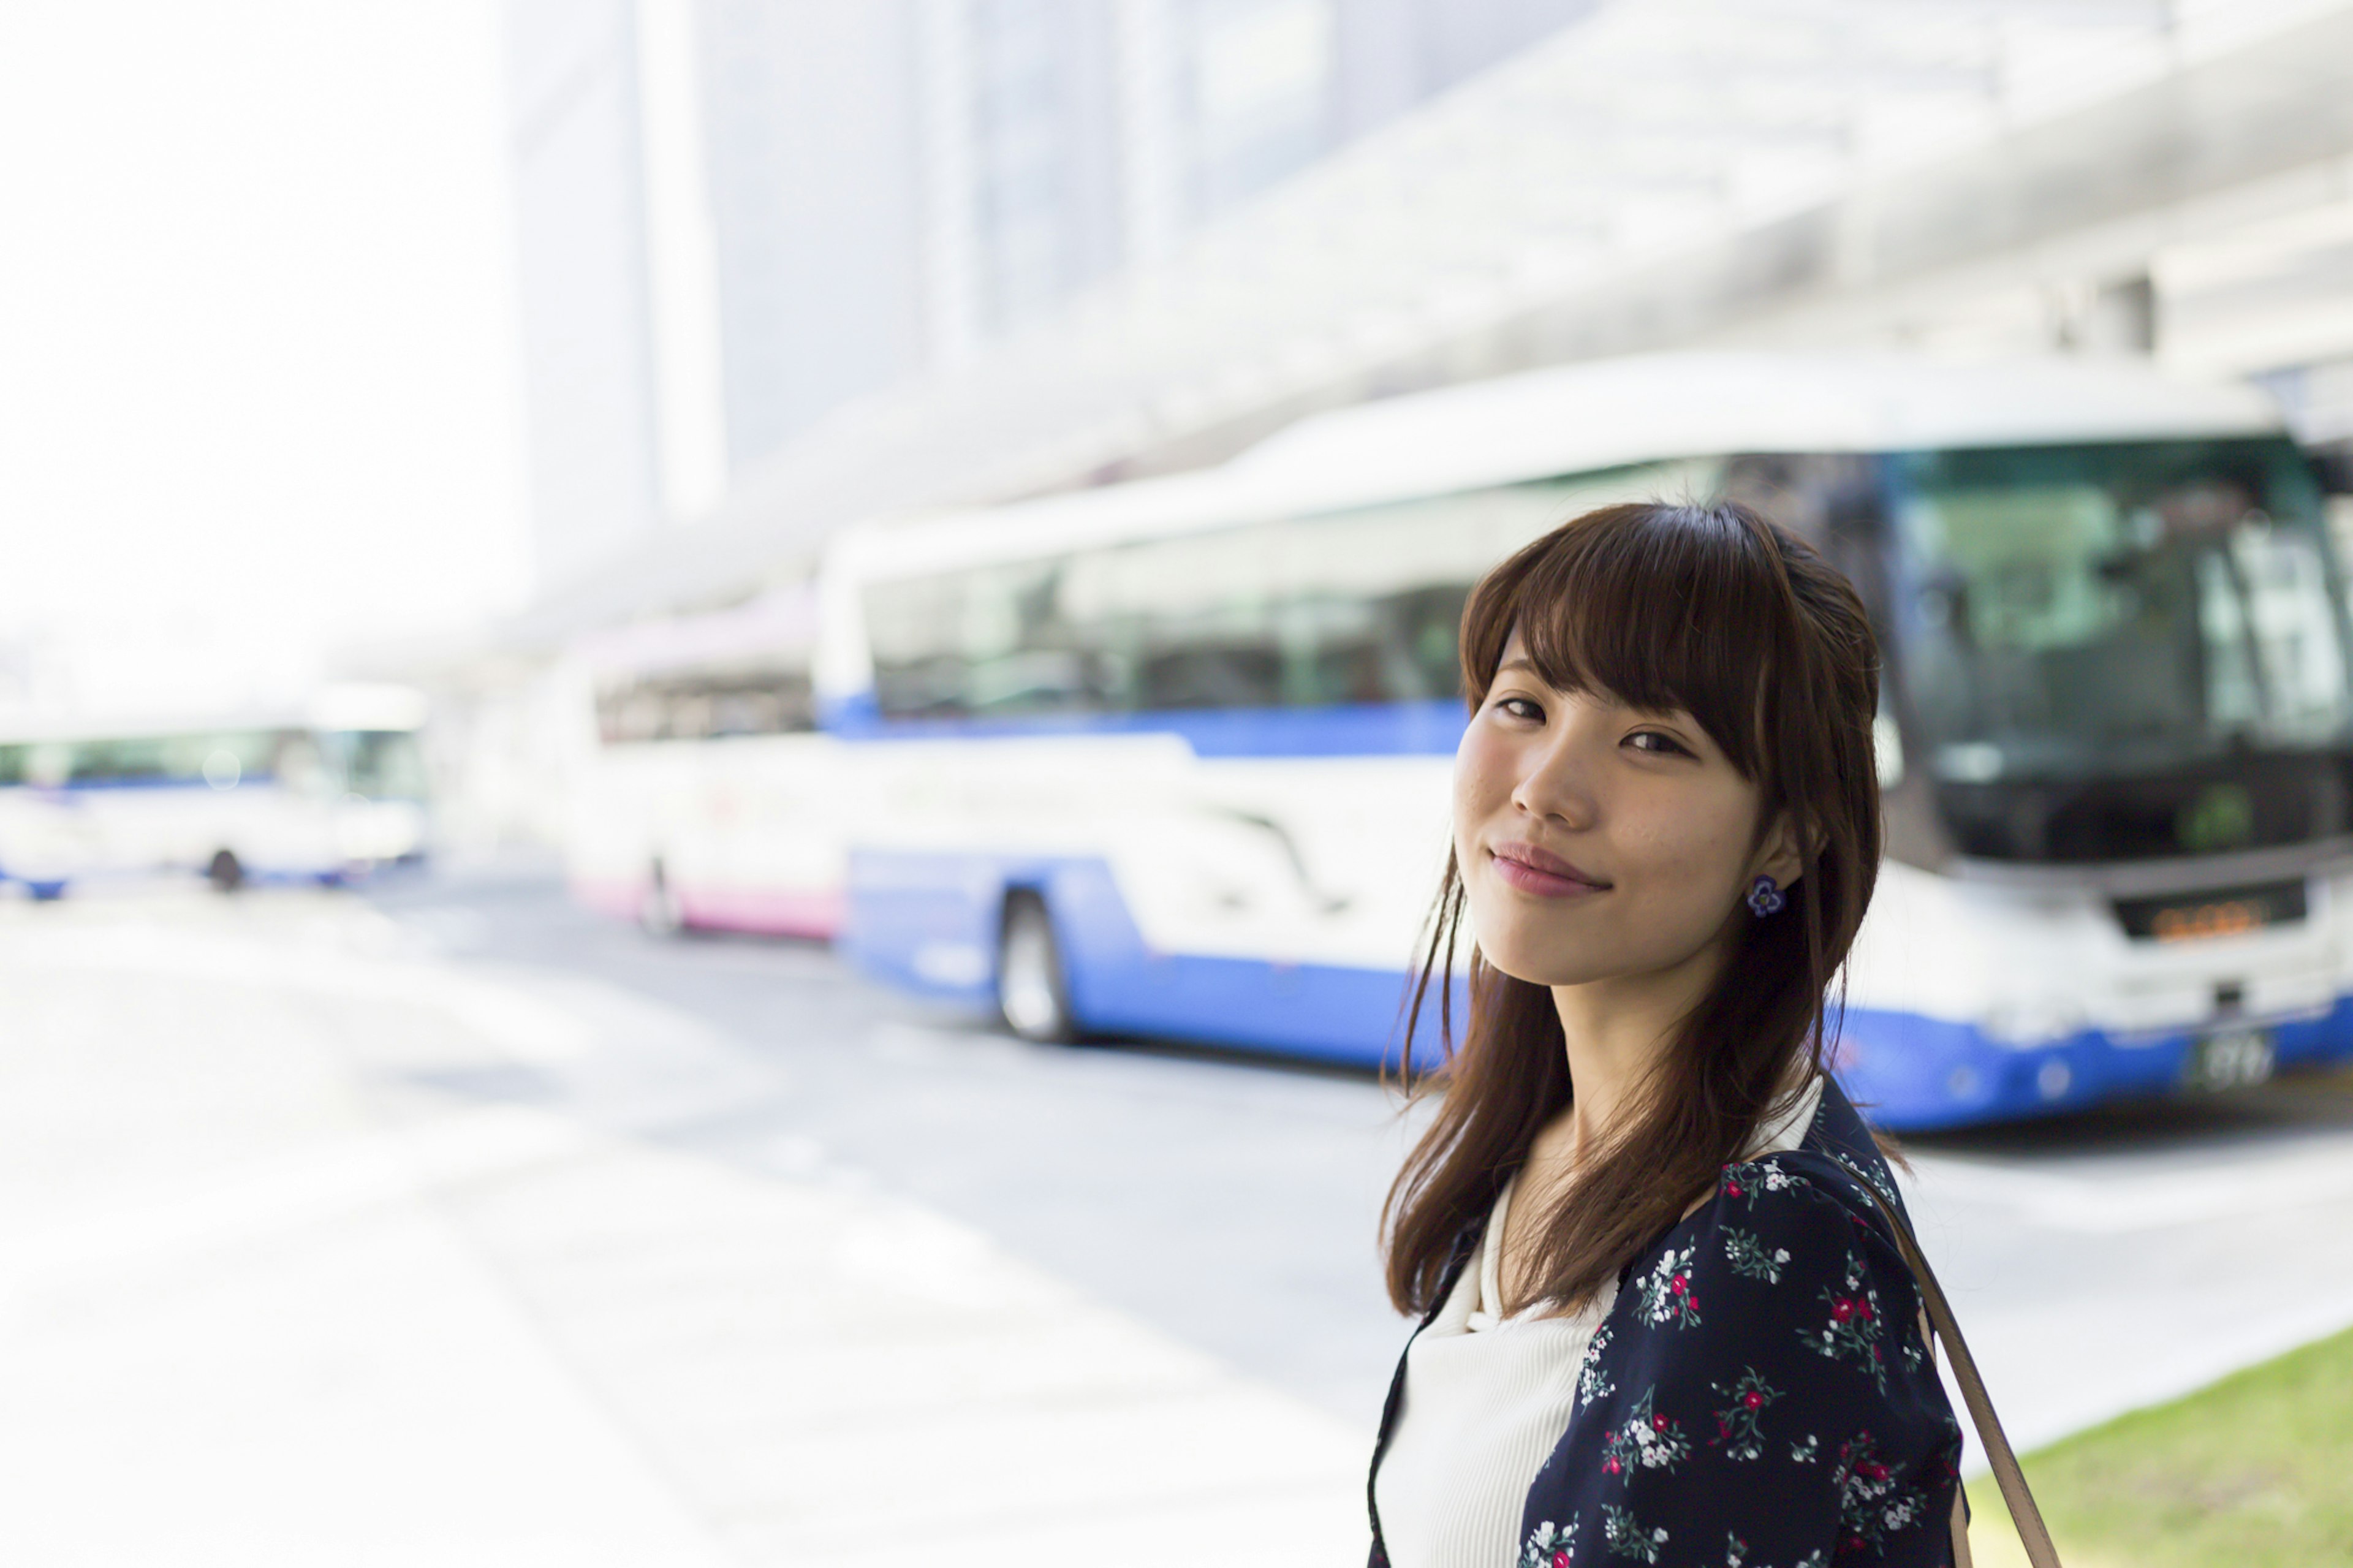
(659, 913)
(225, 873)
(1033, 993)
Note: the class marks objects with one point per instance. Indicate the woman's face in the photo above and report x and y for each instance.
(1597, 841)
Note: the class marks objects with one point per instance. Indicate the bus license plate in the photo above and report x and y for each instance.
(2231, 1058)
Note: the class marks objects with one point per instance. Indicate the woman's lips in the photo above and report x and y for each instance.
(1541, 872)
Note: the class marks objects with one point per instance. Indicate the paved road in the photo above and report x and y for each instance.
(2099, 1261)
(493, 1231)
(1231, 1203)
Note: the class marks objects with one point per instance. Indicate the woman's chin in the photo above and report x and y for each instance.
(1535, 968)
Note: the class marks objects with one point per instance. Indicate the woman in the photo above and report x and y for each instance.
(1661, 1320)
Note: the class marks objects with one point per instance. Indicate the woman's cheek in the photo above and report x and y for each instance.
(1697, 852)
(1475, 772)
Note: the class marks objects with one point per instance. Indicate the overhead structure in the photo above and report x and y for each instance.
(1958, 174)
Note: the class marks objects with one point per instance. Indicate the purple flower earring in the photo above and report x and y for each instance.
(1765, 897)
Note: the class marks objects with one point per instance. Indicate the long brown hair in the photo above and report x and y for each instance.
(1711, 609)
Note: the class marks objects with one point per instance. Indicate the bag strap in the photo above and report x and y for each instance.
(2006, 1473)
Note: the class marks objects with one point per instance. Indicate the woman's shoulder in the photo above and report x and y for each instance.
(1793, 1217)
(1788, 1265)
(1833, 1173)
(1836, 1165)
(1777, 1227)
(1805, 1187)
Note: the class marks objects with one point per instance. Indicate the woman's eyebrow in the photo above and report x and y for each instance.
(1521, 663)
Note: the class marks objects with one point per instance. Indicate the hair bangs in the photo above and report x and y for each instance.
(1658, 606)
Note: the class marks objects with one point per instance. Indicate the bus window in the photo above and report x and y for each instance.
(381, 764)
(224, 759)
(297, 764)
(14, 763)
(130, 760)
(186, 758)
(993, 639)
(49, 764)
(706, 706)
(1341, 609)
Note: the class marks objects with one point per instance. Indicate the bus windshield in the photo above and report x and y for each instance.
(379, 764)
(2107, 610)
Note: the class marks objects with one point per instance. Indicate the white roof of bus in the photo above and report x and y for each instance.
(357, 705)
(1598, 415)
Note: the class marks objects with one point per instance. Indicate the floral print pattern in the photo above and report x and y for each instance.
(1736, 1555)
(1758, 1393)
(1593, 1383)
(1643, 1438)
(1759, 1177)
(1738, 1429)
(1548, 1548)
(1874, 1175)
(1750, 1260)
(1853, 1328)
(1666, 1293)
(1874, 1498)
(1628, 1538)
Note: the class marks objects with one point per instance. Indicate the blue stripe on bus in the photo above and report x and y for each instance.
(253, 876)
(71, 786)
(930, 923)
(1926, 1073)
(1351, 729)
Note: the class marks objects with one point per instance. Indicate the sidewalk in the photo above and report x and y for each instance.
(278, 1300)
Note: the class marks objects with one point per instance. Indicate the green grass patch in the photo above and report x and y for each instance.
(2255, 1471)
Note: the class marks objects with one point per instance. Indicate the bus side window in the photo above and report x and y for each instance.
(49, 763)
(298, 765)
(706, 706)
(1346, 607)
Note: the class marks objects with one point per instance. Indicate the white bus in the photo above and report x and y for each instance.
(708, 799)
(318, 795)
(1172, 758)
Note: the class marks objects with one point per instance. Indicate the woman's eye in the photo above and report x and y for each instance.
(1662, 745)
(1520, 707)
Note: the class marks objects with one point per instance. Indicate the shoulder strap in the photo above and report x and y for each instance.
(2006, 1473)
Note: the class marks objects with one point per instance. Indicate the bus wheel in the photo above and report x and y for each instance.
(658, 909)
(1031, 989)
(224, 874)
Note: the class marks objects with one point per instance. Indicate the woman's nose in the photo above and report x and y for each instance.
(1556, 785)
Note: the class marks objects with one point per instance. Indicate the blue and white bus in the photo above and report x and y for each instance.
(320, 795)
(1172, 758)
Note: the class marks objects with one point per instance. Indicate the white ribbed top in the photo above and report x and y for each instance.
(1487, 1397)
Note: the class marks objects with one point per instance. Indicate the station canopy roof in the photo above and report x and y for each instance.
(1655, 172)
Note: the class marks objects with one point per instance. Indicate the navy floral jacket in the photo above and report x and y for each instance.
(1759, 1396)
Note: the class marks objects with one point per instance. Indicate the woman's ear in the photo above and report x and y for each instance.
(1782, 855)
